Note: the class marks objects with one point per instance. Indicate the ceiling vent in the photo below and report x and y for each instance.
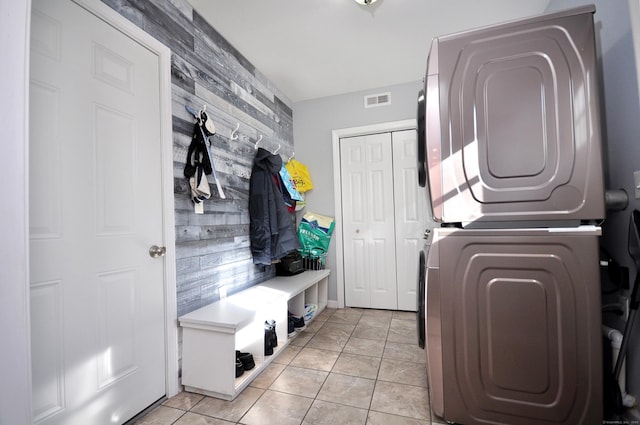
(380, 99)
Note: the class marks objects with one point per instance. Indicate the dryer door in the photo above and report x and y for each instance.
(422, 159)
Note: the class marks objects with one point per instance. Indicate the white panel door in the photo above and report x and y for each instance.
(410, 205)
(368, 228)
(97, 297)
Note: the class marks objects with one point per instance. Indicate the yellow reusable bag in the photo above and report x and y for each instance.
(300, 175)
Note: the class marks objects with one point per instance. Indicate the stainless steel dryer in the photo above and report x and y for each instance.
(512, 123)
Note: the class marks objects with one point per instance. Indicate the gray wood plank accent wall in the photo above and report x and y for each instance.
(212, 249)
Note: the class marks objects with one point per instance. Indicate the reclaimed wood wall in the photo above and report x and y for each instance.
(213, 249)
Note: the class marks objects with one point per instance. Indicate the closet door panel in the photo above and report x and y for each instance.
(368, 216)
(411, 214)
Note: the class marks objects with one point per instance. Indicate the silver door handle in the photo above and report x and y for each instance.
(157, 251)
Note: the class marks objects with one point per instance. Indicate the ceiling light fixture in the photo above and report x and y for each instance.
(366, 2)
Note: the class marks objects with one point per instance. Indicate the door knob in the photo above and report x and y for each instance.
(157, 251)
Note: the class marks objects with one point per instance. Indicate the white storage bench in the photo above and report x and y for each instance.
(212, 334)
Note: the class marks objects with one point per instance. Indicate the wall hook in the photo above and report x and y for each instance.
(234, 133)
(279, 146)
(191, 111)
(199, 117)
(259, 139)
(293, 153)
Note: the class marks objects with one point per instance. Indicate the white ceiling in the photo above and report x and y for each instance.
(316, 48)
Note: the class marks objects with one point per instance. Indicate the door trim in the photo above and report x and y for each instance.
(336, 135)
(15, 398)
(113, 18)
(634, 15)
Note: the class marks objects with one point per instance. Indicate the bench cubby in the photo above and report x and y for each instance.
(212, 334)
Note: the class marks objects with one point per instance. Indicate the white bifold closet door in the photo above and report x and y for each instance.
(383, 220)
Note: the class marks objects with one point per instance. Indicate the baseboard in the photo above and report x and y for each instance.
(146, 411)
(332, 304)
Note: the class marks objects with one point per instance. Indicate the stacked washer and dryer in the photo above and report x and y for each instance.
(509, 294)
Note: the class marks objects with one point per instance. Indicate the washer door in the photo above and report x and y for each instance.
(421, 298)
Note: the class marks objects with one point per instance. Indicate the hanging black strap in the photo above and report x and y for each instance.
(197, 154)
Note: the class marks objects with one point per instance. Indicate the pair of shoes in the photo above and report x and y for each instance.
(291, 329)
(274, 337)
(298, 322)
(239, 368)
(270, 337)
(310, 311)
(246, 360)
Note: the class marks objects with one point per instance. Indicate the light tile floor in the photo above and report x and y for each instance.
(349, 366)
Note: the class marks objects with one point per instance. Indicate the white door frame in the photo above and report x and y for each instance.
(15, 25)
(15, 368)
(172, 383)
(116, 20)
(336, 135)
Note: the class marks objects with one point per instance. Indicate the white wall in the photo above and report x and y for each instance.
(313, 122)
(15, 360)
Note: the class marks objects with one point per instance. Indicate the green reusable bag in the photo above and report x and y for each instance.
(314, 233)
